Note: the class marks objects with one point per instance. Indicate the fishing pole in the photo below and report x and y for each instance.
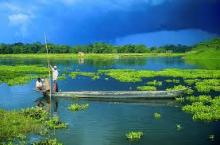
(48, 62)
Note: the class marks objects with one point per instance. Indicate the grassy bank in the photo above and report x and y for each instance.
(87, 56)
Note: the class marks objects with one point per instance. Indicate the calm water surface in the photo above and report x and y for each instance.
(106, 123)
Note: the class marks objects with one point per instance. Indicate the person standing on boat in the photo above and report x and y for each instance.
(55, 75)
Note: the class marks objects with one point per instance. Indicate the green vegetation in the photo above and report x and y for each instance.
(146, 88)
(134, 135)
(187, 90)
(208, 85)
(157, 115)
(173, 81)
(205, 54)
(180, 99)
(78, 107)
(212, 137)
(48, 142)
(205, 50)
(155, 83)
(97, 47)
(21, 74)
(204, 108)
(125, 75)
(15, 125)
(92, 75)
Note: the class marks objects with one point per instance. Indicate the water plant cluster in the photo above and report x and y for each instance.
(21, 74)
(134, 135)
(16, 125)
(78, 107)
(92, 75)
(204, 108)
(208, 85)
(146, 88)
(157, 115)
(48, 142)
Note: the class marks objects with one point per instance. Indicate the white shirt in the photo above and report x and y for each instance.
(38, 84)
(55, 74)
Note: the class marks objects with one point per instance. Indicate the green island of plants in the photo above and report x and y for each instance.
(21, 74)
(208, 85)
(15, 125)
(92, 75)
(203, 108)
(155, 83)
(157, 115)
(48, 142)
(134, 135)
(187, 90)
(78, 107)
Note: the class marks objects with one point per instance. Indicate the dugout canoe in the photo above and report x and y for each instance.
(121, 94)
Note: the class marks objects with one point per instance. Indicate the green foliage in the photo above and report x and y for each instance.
(21, 74)
(146, 88)
(180, 99)
(157, 115)
(78, 107)
(173, 81)
(55, 123)
(125, 75)
(92, 75)
(98, 47)
(207, 85)
(191, 81)
(205, 50)
(15, 125)
(204, 108)
(134, 135)
(187, 90)
(48, 142)
(155, 83)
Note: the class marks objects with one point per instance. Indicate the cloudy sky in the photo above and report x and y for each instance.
(150, 22)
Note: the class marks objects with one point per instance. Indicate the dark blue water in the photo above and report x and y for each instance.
(106, 123)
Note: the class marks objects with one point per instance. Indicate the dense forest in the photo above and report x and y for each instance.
(98, 47)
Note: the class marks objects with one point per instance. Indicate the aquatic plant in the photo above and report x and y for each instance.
(146, 88)
(207, 85)
(172, 81)
(78, 107)
(126, 75)
(48, 142)
(62, 76)
(14, 125)
(157, 115)
(21, 74)
(187, 90)
(180, 99)
(134, 135)
(204, 108)
(179, 127)
(155, 83)
(201, 98)
(191, 81)
(92, 75)
(55, 123)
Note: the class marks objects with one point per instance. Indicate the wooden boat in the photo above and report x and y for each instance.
(120, 94)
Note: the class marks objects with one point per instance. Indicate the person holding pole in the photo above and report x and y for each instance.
(55, 75)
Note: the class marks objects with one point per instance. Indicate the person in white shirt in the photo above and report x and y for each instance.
(55, 75)
(39, 84)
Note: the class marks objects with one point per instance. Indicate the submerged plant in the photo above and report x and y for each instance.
(134, 135)
(78, 107)
(157, 115)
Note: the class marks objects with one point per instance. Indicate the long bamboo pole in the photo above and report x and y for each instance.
(49, 73)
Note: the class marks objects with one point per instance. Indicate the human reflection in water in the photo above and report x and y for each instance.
(45, 103)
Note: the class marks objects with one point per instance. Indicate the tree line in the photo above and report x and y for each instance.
(98, 47)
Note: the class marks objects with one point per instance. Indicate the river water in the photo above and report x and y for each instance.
(106, 123)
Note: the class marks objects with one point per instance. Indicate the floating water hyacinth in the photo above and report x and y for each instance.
(78, 107)
(134, 135)
(157, 115)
